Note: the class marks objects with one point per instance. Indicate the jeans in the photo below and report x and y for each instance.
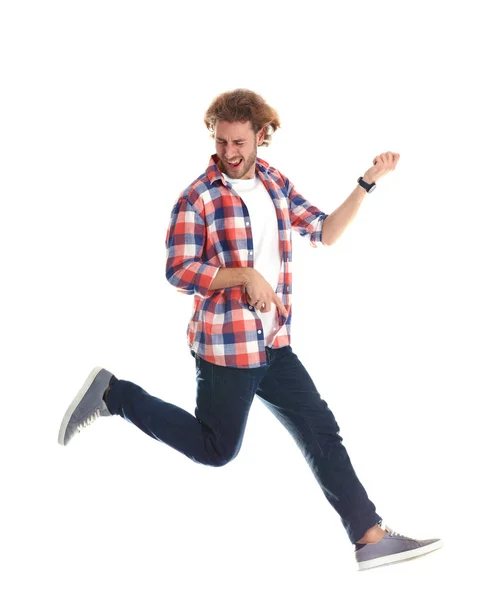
(224, 397)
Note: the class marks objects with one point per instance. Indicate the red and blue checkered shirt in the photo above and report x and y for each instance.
(210, 228)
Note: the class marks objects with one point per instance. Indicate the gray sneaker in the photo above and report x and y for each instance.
(87, 406)
(393, 547)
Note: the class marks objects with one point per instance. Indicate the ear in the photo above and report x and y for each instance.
(261, 136)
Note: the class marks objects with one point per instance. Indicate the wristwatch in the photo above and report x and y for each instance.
(369, 187)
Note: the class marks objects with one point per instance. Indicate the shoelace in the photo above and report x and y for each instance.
(394, 533)
(90, 419)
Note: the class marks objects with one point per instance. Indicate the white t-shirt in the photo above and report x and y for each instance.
(267, 257)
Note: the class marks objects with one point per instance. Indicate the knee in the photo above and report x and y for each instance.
(220, 461)
(223, 459)
(220, 456)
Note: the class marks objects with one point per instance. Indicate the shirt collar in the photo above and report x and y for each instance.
(213, 172)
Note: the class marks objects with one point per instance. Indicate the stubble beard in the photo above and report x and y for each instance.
(247, 164)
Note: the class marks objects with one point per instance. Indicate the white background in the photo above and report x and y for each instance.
(101, 129)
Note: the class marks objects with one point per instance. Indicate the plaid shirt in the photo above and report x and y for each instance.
(209, 229)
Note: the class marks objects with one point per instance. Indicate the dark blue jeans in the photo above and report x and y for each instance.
(214, 436)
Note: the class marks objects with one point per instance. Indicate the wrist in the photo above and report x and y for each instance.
(246, 274)
(369, 186)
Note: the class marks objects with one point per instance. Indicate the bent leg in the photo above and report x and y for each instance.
(214, 436)
(289, 392)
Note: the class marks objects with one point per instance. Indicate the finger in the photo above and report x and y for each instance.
(281, 306)
(387, 161)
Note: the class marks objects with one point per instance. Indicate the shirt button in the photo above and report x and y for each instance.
(251, 252)
(287, 289)
(259, 331)
(247, 224)
(250, 307)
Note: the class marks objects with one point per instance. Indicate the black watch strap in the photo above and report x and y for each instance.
(369, 187)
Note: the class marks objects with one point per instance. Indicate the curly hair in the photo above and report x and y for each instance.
(243, 105)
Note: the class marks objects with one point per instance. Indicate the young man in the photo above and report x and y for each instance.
(229, 243)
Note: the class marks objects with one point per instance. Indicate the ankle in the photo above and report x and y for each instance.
(373, 535)
(111, 382)
(105, 394)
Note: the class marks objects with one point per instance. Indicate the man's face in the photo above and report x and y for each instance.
(237, 142)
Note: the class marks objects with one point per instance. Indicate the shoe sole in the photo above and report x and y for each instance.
(401, 556)
(77, 400)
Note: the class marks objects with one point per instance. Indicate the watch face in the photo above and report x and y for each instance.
(372, 188)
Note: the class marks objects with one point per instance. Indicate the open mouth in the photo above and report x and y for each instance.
(234, 165)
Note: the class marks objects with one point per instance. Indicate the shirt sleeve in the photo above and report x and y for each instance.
(305, 218)
(185, 242)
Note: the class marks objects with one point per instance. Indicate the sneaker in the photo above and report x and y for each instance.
(87, 406)
(393, 547)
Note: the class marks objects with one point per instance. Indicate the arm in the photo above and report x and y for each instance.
(230, 277)
(186, 269)
(185, 243)
(259, 292)
(335, 224)
(305, 218)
